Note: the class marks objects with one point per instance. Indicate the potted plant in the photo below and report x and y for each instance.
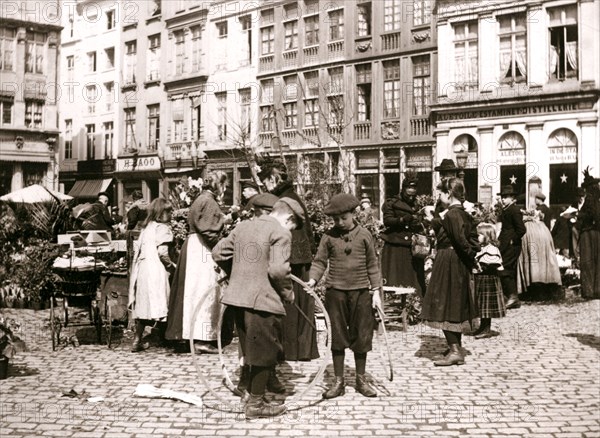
(10, 343)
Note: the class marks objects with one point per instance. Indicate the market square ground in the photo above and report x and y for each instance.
(540, 378)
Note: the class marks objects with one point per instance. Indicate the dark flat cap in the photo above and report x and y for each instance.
(296, 208)
(264, 200)
(341, 203)
(251, 184)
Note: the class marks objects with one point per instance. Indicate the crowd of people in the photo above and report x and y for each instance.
(477, 274)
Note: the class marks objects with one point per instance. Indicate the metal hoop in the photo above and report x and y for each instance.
(390, 368)
(325, 359)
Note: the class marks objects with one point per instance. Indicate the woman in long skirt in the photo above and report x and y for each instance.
(149, 282)
(449, 303)
(196, 276)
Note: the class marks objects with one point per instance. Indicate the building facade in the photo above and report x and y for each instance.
(518, 94)
(29, 43)
(89, 77)
(349, 84)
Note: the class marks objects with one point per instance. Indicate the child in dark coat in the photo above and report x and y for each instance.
(259, 285)
(353, 285)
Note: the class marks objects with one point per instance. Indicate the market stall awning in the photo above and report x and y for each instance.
(33, 194)
(89, 188)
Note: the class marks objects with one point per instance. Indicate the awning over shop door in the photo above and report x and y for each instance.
(89, 188)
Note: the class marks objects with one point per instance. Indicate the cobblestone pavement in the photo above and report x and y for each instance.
(539, 378)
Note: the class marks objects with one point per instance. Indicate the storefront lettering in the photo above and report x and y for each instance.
(508, 112)
(511, 156)
(139, 163)
(564, 154)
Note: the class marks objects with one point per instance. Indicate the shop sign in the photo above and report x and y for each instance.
(136, 164)
(486, 195)
(368, 159)
(509, 157)
(419, 158)
(472, 162)
(563, 154)
(508, 112)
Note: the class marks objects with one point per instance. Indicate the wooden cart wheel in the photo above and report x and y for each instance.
(107, 322)
(53, 331)
(66, 310)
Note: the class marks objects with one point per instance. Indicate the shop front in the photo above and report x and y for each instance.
(93, 177)
(142, 173)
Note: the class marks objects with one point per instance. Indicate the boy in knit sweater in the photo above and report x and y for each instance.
(353, 284)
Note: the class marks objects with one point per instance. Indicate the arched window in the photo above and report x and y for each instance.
(465, 143)
(512, 140)
(511, 158)
(562, 147)
(562, 138)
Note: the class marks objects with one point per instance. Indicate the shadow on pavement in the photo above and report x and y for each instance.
(586, 339)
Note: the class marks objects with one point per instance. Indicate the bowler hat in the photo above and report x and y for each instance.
(540, 196)
(341, 203)
(265, 200)
(296, 208)
(508, 190)
(249, 184)
(447, 165)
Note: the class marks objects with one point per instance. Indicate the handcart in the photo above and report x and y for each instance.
(77, 286)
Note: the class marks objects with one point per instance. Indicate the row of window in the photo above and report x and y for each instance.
(34, 111)
(35, 49)
(512, 48)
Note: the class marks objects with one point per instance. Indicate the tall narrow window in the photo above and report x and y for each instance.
(246, 22)
(110, 57)
(465, 55)
(91, 96)
(108, 139)
(130, 129)
(71, 68)
(91, 62)
(363, 92)
(513, 48)
(7, 48)
(392, 15)
(291, 35)
(336, 80)
(154, 57)
(222, 29)
(267, 16)
(68, 139)
(363, 17)
(71, 22)
(90, 141)
(222, 115)
(267, 116)
(245, 99)
(311, 112)
(178, 120)
(421, 12)
(391, 89)
(267, 40)
(336, 25)
(311, 84)
(110, 95)
(421, 85)
(110, 19)
(33, 113)
(196, 48)
(34, 52)
(291, 115)
(130, 54)
(311, 30)
(153, 127)
(6, 107)
(563, 55)
(179, 53)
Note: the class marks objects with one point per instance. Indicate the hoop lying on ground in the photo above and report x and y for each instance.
(382, 336)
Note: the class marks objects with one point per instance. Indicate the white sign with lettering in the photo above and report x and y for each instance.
(138, 164)
(563, 154)
(507, 157)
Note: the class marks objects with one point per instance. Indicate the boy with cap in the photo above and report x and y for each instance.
(259, 284)
(353, 284)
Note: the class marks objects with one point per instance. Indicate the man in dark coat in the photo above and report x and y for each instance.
(249, 192)
(513, 229)
(98, 217)
(137, 213)
(299, 338)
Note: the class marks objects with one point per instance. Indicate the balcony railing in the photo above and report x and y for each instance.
(362, 131)
(266, 63)
(179, 151)
(290, 59)
(265, 139)
(289, 138)
(335, 50)
(420, 127)
(311, 55)
(390, 41)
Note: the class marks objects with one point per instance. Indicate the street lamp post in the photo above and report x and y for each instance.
(461, 161)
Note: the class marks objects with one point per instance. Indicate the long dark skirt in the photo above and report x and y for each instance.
(399, 268)
(589, 251)
(450, 303)
(299, 338)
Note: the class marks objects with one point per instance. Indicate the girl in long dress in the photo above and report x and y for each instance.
(149, 282)
(195, 278)
(449, 303)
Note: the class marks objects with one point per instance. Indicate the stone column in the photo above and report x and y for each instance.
(17, 177)
(537, 46)
(488, 75)
(442, 150)
(589, 154)
(538, 164)
(488, 170)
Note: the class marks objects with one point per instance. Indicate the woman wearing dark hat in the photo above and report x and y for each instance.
(195, 275)
(513, 229)
(449, 303)
(299, 338)
(398, 267)
(588, 225)
(249, 192)
(540, 198)
(137, 213)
